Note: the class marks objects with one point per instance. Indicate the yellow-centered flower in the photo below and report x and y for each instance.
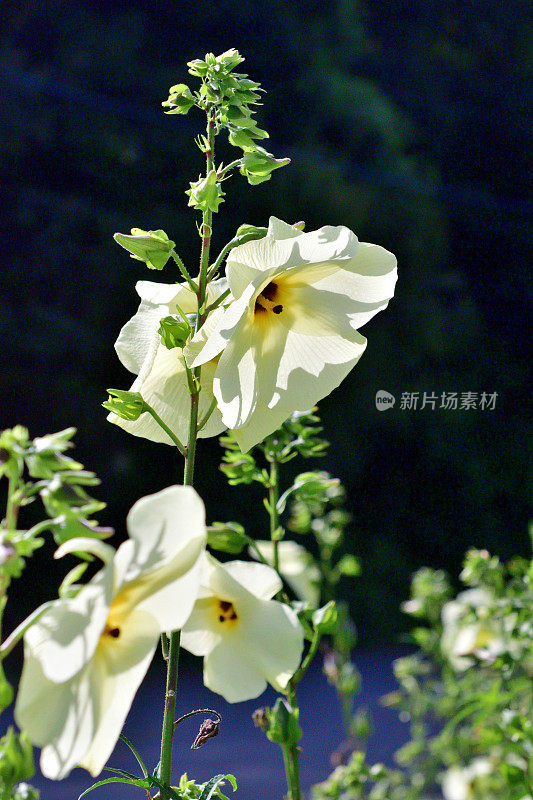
(290, 335)
(86, 655)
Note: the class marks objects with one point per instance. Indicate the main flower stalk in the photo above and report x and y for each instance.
(188, 476)
(290, 751)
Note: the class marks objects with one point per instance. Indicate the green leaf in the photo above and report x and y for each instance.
(142, 784)
(325, 618)
(136, 754)
(167, 791)
(211, 786)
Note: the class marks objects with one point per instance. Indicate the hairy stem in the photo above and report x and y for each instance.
(273, 497)
(188, 476)
(292, 754)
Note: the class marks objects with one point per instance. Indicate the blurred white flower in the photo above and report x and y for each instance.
(290, 336)
(463, 636)
(246, 638)
(161, 379)
(458, 783)
(86, 656)
(296, 565)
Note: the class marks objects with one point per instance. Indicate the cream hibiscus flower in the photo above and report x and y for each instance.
(161, 378)
(245, 637)
(86, 655)
(290, 336)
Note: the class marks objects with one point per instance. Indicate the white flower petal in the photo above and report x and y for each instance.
(118, 669)
(282, 230)
(163, 385)
(230, 672)
(137, 339)
(277, 639)
(164, 523)
(160, 574)
(261, 580)
(198, 635)
(60, 717)
(85, 544)
(64, 639)
(286, 370)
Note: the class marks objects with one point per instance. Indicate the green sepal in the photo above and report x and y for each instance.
(152, 247)
(180, 99)
(6, 692)
(205, 193)
(174, 332)
(16, 757)
(126, 405)
(257, 165)
(251, 232)
(283, 727)
(227, 537)
(325, 618)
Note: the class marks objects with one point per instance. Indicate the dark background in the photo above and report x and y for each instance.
(406, 121)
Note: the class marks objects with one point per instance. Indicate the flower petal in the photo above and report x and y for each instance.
(282, 230)
(64, 639)
(296, 565)
(117, 670)
(162, 383)
(59, 717)
(273, 639)
(198, 635)
(231, 673)
(160, 574)
(163, 523)
(288, 371)
(261, 580)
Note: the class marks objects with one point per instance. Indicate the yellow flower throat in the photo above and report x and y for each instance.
(268, 300)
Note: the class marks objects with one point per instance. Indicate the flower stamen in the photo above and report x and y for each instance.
(266, 300)
(227, 612)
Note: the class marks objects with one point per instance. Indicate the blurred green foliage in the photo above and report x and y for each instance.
(406, 122)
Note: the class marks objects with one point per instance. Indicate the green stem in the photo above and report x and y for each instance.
(183, 269)
(273, 497)
(306, 663)
(188, 476)
(205, 419)
(291, 754)
(165, 427)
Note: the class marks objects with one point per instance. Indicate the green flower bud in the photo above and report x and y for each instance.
(325, 618)
(229, 59)
(16, 758)
(197, 67)
(283, 724)
(206, 193)
(257, 165)
(251, 232)
(174, 332)
(179, 100)
(152, 247)
(228, 537)
(127, 405)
